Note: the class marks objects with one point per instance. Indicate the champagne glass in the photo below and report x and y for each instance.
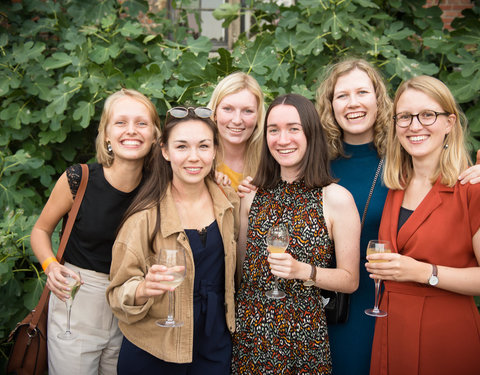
(74, 286)
(175, 261)
(375, 247)
(277, 242)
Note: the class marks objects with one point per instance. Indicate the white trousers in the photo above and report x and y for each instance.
(95, 349)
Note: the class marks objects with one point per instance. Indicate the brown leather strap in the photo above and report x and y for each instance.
(63, 243)
(73, 213)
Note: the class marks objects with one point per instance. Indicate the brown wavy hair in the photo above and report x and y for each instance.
(324, 98)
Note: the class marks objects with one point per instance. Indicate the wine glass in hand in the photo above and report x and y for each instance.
(375, 247)
(74, 285)
(175, 261)
(277, 242)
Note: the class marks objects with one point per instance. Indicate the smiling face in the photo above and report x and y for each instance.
(422, 142)
(130, 131)
(355, 106)
(286, 140)
(190, 150)
(236, 117)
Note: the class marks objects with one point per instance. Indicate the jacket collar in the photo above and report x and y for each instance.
(170, 220)
(431, 201)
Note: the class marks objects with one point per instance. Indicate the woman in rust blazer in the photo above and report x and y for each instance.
(432, 221)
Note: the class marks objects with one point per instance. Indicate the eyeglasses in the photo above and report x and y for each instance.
(181, 112)
(426, 118)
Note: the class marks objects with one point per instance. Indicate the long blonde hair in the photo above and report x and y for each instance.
(103, 156)
(324, 98)
(232, 84)
(454, 158)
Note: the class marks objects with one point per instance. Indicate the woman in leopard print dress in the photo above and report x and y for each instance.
(289, 336)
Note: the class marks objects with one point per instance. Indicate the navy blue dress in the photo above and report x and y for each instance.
(212, 343)
(351, 343)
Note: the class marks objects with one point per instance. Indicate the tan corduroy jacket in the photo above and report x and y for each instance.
(132, 258)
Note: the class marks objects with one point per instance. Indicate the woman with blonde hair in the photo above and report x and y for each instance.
(129, 125)
(238, 110)
(433, 224)
(355, 112)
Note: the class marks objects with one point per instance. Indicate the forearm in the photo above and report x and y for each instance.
(459, 280)
(336, 279)
(41, 244)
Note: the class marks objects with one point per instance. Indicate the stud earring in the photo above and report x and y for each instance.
(445, 146)
(109, 147)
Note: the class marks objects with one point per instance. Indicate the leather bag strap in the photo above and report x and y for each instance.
(37, 312)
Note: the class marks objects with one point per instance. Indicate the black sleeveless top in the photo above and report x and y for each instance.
(90, 243)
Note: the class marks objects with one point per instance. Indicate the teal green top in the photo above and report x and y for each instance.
(351, 343)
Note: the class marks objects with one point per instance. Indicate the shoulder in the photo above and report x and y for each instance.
(74, 175)
(246, 201)
(471, 192)
(231, 194)
(337, 196)
(135, 224)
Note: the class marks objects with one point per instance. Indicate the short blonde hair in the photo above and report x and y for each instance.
(324, 98)
(103, 156)
(232, 84)
(454, 157)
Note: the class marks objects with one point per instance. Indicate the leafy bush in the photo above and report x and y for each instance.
(60, 59)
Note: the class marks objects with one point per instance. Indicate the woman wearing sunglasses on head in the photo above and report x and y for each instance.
(433, 223)
(181, 208)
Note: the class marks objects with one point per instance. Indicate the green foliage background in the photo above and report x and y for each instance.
(60, 59)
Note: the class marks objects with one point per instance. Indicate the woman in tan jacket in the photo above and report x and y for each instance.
(179, 206)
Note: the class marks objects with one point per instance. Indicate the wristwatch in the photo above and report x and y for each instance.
(433, 280)
(313, 276)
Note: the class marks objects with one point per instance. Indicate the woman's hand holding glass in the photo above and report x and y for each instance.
(277, 242)
(396, 267)
(176, 263)
(73, 282)
(57, 280)
(158, 281)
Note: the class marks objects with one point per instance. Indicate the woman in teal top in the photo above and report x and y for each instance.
(355, 337)
(355, 111)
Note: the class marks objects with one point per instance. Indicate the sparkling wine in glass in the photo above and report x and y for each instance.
(175, 261)
(277, 242)
(74, 286)
(375, 247)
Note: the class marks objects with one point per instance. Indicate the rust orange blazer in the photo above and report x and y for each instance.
(430, 331)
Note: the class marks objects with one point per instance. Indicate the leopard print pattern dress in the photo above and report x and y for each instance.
(283, 336)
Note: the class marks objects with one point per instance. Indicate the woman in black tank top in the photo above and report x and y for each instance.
(128, 127)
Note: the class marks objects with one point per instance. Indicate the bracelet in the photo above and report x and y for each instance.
(47, 262)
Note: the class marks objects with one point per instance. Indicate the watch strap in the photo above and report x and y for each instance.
(434, 270)
(313, 276)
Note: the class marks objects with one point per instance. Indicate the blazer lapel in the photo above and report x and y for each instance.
(395, 210)
(431, 201)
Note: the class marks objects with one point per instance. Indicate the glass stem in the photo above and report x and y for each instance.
(69, 310)
(275, 287)
(377, 294)
(171, 306)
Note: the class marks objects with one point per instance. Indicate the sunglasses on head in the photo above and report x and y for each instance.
(181, 112)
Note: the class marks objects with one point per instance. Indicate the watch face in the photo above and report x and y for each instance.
(433, 280)
(308, 283)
